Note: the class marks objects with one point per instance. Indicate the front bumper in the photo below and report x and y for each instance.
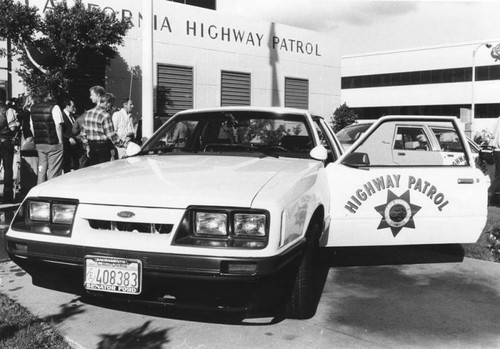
(202, 282)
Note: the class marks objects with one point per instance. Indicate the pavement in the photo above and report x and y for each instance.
(372, 298)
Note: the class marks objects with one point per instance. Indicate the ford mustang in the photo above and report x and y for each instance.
(227, 208)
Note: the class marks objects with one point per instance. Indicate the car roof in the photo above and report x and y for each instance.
(277, 110)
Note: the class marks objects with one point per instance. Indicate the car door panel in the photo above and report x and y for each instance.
(416, 203)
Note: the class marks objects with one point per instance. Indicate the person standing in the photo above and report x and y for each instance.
(7, 154)
(47, 121)
(77, 130)
(96, 94)
(123, 123)
(98, 133)
(70, 144)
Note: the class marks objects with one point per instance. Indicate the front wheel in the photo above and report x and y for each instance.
(303, 299)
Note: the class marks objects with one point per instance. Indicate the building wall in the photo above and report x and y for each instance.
(486, 92)
(209, 42)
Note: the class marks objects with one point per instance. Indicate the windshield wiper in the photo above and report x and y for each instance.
(163, 150)
(226, 147)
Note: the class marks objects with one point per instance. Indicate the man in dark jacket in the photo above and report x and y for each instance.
(7, 154)
(70, 143)
(47, 121)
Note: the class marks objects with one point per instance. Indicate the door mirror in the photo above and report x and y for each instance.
(356, 160)
(132, 149)
(319, 152)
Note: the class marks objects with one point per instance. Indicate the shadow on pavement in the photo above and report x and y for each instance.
(175, 312)
(139, 337)
(66, 311)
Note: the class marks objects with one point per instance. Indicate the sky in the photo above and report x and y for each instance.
(374, 26)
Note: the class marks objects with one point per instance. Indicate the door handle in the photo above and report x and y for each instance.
(402, 154)
(465, 181)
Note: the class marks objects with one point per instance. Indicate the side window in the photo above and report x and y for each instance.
(448, 140)
(412, 143)
(411, 138)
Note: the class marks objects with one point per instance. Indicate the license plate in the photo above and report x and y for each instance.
(115, 275)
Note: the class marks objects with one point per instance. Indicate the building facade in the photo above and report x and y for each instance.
(424, 81)
(204, 59)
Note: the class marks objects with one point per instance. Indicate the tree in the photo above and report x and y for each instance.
(66, 47)
(342, 117)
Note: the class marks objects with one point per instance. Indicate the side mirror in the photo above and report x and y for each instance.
(357, 160)
(319, 152)
(132, 149)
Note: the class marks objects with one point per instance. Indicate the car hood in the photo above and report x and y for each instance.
(175, 181)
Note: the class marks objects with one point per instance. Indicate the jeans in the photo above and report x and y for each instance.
(99, 152)
(50, 161)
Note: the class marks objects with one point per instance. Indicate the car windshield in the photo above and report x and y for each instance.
(350, 134)
(249, 132)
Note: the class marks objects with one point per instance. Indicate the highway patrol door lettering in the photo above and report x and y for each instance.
(386, 203)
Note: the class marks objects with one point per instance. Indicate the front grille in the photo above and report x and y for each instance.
(148, 228)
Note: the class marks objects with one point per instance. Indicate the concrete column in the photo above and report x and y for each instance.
(147, 68)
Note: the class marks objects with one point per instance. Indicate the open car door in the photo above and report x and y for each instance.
(379, 199)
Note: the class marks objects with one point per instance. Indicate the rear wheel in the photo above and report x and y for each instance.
(303, 299)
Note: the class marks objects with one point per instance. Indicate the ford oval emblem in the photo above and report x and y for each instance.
(126, 214)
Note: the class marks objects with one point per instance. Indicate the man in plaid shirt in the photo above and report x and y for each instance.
(98, 133)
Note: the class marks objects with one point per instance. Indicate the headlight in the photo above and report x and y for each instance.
(223, 227)
(249, 224)
(53, 216)
(39, 211)
(63, 213)
(210, 223)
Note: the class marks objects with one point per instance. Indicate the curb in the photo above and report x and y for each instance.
(72, 343)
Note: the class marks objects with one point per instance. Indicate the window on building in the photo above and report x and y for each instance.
(491, 110)
(416, 78)
(494, 72)
(405, 78)
(175, 89)
(395, 79)
(482, 73)
(210, 4)
(440, 76)
(426, 77)
(297, 93)
(235, 88)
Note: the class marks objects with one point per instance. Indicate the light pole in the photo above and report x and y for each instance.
(472, 110)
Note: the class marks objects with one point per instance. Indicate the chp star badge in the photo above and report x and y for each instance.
(397, 213)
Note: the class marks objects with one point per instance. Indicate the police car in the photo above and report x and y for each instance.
(233, 217)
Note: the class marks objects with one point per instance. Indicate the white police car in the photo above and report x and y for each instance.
(227, 208)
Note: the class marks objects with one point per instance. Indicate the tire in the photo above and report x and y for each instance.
(303, 299)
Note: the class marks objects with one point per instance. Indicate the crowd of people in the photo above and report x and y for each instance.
(63, 141)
